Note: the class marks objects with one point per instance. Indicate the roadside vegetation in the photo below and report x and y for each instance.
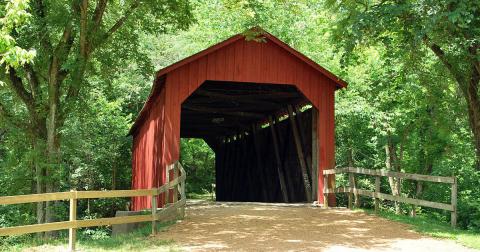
(95, 240)
(434, 228)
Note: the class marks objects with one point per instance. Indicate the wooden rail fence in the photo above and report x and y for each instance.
(378, 195)
(177, 206)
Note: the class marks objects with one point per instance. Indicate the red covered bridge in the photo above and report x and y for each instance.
(247, 99)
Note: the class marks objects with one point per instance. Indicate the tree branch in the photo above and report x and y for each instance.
(98, 13)
(86, 49)
(2, 134)
(473, 50)
(437, 50)
(84, 29)
(97, 20)
(68, 40)
(120, 22)
(77, 77)
(3, 112)
(33, 80)
(16, 84)
(8, 118)
(59, 56)
(43, 34)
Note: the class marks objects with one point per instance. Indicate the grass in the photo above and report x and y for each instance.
(140, 240)
(434, 228)
(202, 196)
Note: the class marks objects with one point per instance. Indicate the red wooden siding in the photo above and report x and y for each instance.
(157, 136)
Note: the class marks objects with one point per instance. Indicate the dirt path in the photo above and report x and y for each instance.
(278, 228)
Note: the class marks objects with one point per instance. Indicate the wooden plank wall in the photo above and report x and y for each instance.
(146, 161)
(242, 61)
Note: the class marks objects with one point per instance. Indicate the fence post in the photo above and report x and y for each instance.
(325, 191)
(351, 185)
(72, 232)
(154, 214)
(453, 216)
(175, 188)
(167, 192)
(377, 190)
(182, 190)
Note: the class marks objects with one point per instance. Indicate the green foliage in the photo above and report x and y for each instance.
(199, 162)
(13, 15)
(405, 62)
(85, 104)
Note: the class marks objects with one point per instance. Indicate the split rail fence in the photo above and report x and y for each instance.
(352, 190)
(177, 206)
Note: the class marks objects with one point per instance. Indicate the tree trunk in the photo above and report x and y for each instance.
(52, 151)
(473, 105)
(351, 163)
(391, 164)
(114, 177)
(468, 84)
(418, 193)
(39, 186)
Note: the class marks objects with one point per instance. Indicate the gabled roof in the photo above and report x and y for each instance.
(263, 34)
(260, 34)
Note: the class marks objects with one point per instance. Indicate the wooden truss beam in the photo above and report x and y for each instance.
(300, 154)
(281, 176)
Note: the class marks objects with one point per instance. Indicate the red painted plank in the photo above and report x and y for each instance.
(220, 61)
(193, 77)
(239, 61)
(291, 68)
(247, 61)
(211, 67)
(202, 71)
(184, 83)
(273, 63)
(255, 61)
(230, 63)
(282, 66)
(262, 63)
(314, 89)
(310, 78)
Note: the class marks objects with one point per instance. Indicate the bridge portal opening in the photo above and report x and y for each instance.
(263, 137)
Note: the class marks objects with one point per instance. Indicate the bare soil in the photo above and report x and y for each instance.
(281, 227)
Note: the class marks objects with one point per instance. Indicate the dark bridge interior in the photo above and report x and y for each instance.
(261, 138)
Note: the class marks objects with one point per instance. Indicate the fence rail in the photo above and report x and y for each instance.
(378, 195)
(177, 185)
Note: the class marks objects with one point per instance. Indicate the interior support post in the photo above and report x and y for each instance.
(288, 173)
(281, 176)
(300, 154)
(248, 173)
(221, 186)
(314, 154)
(227, 169)
(260, 168)
(235, 166)
(302, 130)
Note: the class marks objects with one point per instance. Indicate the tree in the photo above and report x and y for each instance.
(448, 29)
(73, 41)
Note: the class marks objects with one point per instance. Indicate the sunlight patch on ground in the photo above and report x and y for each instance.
(243, 227)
